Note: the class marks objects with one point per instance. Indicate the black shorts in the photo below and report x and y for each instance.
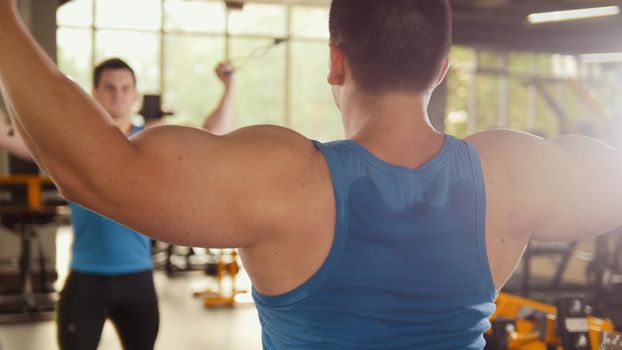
(129, 301)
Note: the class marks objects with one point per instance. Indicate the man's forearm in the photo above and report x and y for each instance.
(220, 120)
(52, 113)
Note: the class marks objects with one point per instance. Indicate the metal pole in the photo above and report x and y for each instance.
(288, 71)
(93, 37)
(162, 51)
(503, 93)
(227, 35)
(532, 109)
(472, 121)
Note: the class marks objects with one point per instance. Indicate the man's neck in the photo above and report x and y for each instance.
(391, 114)
(392, 124)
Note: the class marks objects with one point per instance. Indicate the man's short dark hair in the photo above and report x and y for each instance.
(112, 63)
(392, 45)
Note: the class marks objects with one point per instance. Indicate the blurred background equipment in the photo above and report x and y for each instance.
(524, 324)
(31, 210)
(152, 108)
(225, 269)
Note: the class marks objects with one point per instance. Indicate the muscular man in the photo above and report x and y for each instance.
(110, 276)
(398, 237)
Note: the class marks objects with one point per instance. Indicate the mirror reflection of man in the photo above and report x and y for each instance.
(111, 270)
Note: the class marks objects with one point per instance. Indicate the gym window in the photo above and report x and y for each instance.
(174, 45)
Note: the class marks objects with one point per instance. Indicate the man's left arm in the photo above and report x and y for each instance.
(43, 101)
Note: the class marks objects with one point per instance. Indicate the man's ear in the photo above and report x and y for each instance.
(443, 72)
(336, 68)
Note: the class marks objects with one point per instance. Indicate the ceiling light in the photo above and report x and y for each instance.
(602, 58)
(570, 15)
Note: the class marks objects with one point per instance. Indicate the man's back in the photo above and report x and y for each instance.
(531, 187)
(407, 268)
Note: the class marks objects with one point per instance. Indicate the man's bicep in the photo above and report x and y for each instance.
(192, 185)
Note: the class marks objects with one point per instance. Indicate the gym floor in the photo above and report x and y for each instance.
(184, 322)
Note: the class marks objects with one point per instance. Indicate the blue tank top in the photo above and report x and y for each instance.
(408, 267)
(104, 247)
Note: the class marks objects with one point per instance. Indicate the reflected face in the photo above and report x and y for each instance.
(116, 92)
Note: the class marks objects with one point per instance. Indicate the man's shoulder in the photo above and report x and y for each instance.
(496, 138)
